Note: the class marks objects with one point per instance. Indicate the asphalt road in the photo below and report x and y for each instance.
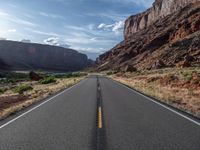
(132, 122)
(69, 121)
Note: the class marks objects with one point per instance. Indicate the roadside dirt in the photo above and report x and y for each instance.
(11, 102)
(177, 87)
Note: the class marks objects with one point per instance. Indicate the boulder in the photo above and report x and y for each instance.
(189, 58)
(34, 76)
(183, 64)
(158, 64)
(129, 68)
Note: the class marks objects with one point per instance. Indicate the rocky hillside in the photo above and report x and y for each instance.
(160, 9)
(29, 56)
(166, 35)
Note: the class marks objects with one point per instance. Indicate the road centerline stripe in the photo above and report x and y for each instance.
(100, 124)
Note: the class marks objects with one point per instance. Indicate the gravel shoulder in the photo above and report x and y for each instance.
(177, 87)
(12, 101)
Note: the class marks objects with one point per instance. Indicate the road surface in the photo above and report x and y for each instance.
(124, 120)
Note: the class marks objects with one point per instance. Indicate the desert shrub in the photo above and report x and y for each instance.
(2, 90)
(109, 73)
(190, 92)
(78, 74)
(7, 81)
(48, 80)
(22, 88)
(12, 77)
(71, 75)
(17, 76)
(187, 75)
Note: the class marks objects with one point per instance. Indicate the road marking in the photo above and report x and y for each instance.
(99, 118)
(99, 88)
(9, 122)
(166, 107)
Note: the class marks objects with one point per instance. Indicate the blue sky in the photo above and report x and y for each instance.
(94, 26)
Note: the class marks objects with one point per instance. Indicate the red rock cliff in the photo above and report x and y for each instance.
(160, 9)
(173, 40)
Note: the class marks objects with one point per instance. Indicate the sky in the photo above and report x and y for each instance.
(89, 26)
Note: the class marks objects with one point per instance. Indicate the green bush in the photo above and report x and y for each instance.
(22, 88)
(187, 75)
(109, 73)
(48, 80)
(190, 92)
(71, 75)
(2, 90)
(189, 78)
(12, 77)
(6, 81)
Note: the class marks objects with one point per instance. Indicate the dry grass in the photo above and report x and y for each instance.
(39, 92)
(177, 87)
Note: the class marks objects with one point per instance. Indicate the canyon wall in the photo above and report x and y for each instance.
(173, 40)
(30, 56)
(160, 9)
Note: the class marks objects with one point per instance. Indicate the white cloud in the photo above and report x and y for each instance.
(85, 40)
(44, 14)
(11, 18)
(56, 41)
(87, 28)
(115, 27)
(54, 16)
(12, 5)
(52, 41)
(3, 13)
(118, 26)
(26, 41)
(65, 46)
(89, 49)
(114, 16)
(45, 33)
(102, 25)
(144, 3)
(79, 40)
(91, 26)
(12, 30)
(42, 32)
(78, 28)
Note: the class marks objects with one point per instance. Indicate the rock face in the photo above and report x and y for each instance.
(166, 42)
(28, 56)
(160, 9)
(2, 64)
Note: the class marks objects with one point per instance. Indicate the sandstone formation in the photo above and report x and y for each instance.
(29, 56)
(165, 41)
(160, 9)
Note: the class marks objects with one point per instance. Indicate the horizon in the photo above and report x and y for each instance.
(82, 25)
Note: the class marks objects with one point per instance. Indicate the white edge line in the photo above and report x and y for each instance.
(9, 122)
(166, 107)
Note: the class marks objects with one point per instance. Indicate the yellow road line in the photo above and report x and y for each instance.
(99, 118)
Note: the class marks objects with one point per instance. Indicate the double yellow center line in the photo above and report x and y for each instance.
(99, 118)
